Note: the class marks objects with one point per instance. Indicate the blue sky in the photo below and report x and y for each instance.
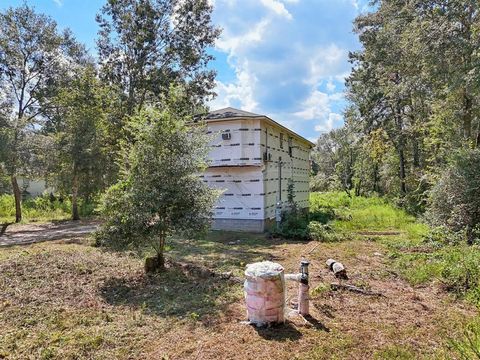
(283, 58)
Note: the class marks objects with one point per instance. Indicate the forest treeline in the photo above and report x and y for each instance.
(71, 118)
(413, 113)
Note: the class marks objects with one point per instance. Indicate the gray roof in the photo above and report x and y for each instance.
(230, 112)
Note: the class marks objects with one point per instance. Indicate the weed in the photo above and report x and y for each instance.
(468, 347)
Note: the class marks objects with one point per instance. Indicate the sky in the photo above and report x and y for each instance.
(286, 59)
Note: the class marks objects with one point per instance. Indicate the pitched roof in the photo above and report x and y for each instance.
(230, 112)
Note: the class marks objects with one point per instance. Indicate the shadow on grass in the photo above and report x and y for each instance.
(172, 293)
(316, 324)
(226, 250)
(279, 332)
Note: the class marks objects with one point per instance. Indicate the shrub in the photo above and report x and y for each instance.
(321, 232)
(441, 236)
(455, 199)
(320, 182)
(294, 225)
(298, 225)
(461, 272)
(456, 267)
(161, 194)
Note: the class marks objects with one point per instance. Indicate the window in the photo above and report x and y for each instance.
(290, 146)
(281, 141)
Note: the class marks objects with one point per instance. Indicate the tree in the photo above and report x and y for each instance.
(79, 163)
(160, 193)
(455, 199)
(147, 45)
(32, 54)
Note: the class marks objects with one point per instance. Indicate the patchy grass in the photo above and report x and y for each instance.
(74, 301)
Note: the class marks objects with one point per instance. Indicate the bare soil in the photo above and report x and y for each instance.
(23, 234)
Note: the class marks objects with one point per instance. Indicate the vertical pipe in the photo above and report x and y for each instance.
(280, 179)
(303, 290)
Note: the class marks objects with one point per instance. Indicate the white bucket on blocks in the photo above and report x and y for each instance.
(265, 293)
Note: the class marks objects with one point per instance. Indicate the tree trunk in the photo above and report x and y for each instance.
(156, 263)
(403, 186)
(467, 118)
(75, 215)
(18, 198)
(376, 186)
(416, 152)
(400, 148)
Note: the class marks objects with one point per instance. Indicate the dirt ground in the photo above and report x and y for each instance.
(405, 322)
(71, 301)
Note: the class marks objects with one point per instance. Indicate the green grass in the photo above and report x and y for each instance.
(40, 209)
(359, 213)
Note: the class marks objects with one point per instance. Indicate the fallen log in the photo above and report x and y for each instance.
(353, 288)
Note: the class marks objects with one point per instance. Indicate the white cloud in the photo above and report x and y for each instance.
(330, 86)
(292, 71)
(232, 43)
(241, 92)
(58, 2)
(318, 107)
(333, 121)
(277, 7)
(327, 61)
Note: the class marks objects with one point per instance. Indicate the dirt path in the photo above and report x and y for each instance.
(33, 233)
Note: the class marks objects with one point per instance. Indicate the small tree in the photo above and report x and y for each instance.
(79, 161)
(33, 55)
(160, 193)
(455, 199)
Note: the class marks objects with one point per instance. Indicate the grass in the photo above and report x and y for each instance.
(357, 213)
(74, 301)
(40, 209)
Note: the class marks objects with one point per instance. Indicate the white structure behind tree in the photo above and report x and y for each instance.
(253, 159)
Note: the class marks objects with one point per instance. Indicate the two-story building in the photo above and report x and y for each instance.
(253, 159)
